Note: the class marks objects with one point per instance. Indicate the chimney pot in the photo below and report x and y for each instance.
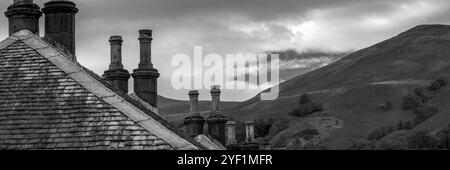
(193, 98)
(145, 76)
(116, 75)
(60, 22)
(194, 123)
(215, 95)
(23, 15)
(116, 52)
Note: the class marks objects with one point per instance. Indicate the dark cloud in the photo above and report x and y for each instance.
(240, 26)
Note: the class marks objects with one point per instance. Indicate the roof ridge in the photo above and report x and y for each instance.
(132, 109)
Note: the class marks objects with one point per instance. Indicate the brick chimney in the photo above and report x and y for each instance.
(231, 136)
(194, 123)
(116, 74)
(23, 14)
(60, 22)
(250, 136)
(145, 76)
(216, 121)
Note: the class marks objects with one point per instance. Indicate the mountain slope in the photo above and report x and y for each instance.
(353, 87)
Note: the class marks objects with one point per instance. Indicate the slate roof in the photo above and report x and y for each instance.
(48, 101)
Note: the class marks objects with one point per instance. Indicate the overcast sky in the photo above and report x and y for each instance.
(239, 26)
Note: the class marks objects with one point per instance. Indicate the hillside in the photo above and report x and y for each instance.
(352, 88)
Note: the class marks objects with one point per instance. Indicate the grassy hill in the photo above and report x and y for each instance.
(353, 88)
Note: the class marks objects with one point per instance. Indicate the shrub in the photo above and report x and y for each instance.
(262, 127)
(393, 145)
(411, 102)
(305, 99)
(361, 144)
(444, 139)
(424, 112)
(408, 125)
(422, 140)
(400, 125)
(422, 95)
(279, 126)
(375, 135)
(307, 109)
(307, 134)
(381, 132)
(438, 84)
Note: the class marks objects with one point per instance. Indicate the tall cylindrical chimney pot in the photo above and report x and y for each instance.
(116, 52)
(145, 43)
(60, 22)
(145, 76)
(193, 99)
(23, 15)
(215, 95)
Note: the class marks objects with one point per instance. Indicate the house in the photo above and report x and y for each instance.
(49, 101)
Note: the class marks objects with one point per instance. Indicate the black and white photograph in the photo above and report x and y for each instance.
(225, 75)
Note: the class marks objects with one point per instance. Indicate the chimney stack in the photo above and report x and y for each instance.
(60, 23)
(194, 123)
(216, 121)
(231, 136)
(250, 136)
(116, 74)
(145, 76)
(23, 15)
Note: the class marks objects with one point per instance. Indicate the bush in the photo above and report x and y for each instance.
(408, 125)
(400, 125)
(305, 99)
(422, 140)
(306, 109)
(424, 112)
(411, 102)
(422, 95)
(381, 132)
(393, 145)
(361, 144)
(279, 126)
(375, 135)
(438, 84)
(444, 139)
(262, 127)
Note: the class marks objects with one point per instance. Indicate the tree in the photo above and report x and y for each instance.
(421, 93)
(444, 139)
(279, 126)
(424, 112)
(411, 102)
(438, 84)
(408, 125)
(400, 125)
(262, 126)
(305, 99)
(422, 140)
